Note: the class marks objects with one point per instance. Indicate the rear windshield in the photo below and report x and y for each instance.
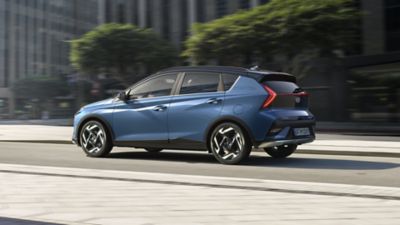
(282, 86)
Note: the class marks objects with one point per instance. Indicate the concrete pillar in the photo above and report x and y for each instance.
(373, 27)
(142, 11)
(210, 10)
(192, 12)
(254, 3)
(12, 57)
(101, 17)
(157, 16)
(176, 25)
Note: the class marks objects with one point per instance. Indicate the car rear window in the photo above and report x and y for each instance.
(281, 86)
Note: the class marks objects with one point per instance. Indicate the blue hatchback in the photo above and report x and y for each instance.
(226, 111)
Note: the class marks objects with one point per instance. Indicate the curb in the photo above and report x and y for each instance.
(350, 153)
(301, 151)
(39, 141)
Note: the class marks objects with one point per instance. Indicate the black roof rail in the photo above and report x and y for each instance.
(258, 75)
(210, 68)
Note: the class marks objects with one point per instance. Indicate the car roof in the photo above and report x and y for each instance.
(255, 74)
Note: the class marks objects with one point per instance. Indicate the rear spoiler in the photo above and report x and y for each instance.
(277, 77)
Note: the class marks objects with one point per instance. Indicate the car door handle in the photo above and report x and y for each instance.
(214, 101)
(160, 108)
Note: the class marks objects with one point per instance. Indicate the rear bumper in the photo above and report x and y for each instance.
(299, 141)
(282, 133)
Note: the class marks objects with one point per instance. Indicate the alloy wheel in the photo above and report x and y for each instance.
(229, 144)
(93, 139)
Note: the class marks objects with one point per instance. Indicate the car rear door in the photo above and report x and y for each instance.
(197, 103)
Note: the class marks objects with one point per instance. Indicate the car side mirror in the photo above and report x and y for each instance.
(122, 96)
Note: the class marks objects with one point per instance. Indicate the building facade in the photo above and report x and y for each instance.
(169, 18)
(34, 37)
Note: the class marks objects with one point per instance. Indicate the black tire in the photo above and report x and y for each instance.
(98, 146)
(153, 150)
(280, 152)
(231, 149)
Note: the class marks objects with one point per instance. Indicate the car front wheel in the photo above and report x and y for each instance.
(229, 143)
(282, 151)
(94, 139)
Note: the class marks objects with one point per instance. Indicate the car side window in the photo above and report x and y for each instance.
(156, 87)
(229, 80)
(200, 82)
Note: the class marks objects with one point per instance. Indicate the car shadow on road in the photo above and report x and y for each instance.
(261, 161)
(11, 221)
(320, 163)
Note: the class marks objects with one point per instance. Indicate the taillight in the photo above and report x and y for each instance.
(271, 97)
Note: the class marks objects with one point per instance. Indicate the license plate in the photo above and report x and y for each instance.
(304, 131)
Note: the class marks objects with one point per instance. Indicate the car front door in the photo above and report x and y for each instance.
(142, 120)
(198, 103)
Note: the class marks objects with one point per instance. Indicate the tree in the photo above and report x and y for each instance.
(285, 28)
(121, 50)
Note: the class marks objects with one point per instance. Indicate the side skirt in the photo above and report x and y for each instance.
(179, 144)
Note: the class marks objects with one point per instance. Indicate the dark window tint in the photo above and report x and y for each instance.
(199, 82)
(282, 86)
(156, 87)
(229, 80)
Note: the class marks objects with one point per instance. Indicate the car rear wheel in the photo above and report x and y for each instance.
(153, 150)
(94, 139)
(282, 151)
(229, 143)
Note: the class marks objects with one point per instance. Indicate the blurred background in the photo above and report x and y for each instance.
(57, 55)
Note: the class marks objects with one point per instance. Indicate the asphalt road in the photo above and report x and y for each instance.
(358, 170)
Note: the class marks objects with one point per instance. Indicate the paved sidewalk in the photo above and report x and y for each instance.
(325, 143)
(84, 196)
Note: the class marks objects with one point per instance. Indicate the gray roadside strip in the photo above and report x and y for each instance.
(303, 151)
(230, 184)
(39, 141)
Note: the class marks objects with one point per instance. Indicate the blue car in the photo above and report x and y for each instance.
(226, 111)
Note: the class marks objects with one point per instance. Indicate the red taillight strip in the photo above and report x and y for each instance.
(271, 97)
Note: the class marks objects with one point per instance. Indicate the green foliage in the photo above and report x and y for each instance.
(286, 27)
(121, 49)
(41, 88)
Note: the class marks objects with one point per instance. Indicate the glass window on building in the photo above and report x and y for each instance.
(149, 11)
(121, 13)
(244, 4)
(221, 7)
(165, 19)
(392, 12)
(184, 22)
(200, 12)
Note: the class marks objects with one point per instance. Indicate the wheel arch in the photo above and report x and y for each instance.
(98, 119)
(226, 119)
